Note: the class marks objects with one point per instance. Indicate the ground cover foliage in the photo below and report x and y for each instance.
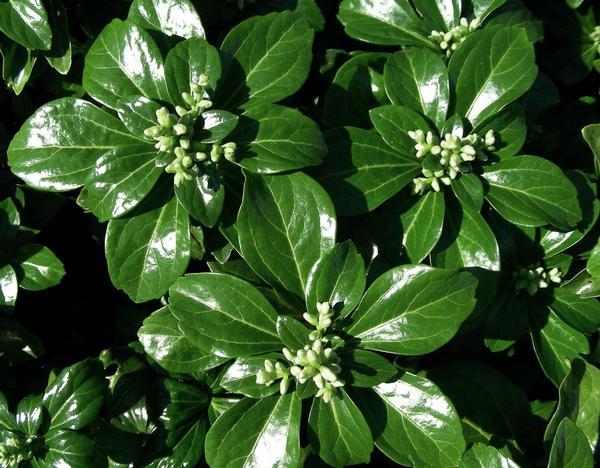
(283, 233)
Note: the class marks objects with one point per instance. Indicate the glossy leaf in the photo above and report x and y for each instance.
(120, 180)
(444, 13)
(26, 22)
(555, 343)
(293, 334)
(593, 263)
(531, 191)
(393, 124)
(203, 196)
(29, 415)
(265, 59)
(468, 189)
(272, 139)
(570, 448)
(485, 456)
(591, 134)
(59, 144)
(166, 344)
(361, 368)
(224, 315)
(413, 310)
(240, 377)
(60, 55)
(218, 124)
(422, 225)
(123, 60)
(510, 130)
(338, 278)
(68, 448)
(418, 79)
(138, 113)
(356, 181)
(263, 432)
(148, 249)
(386, 22)
(285, 225)
(582, 314)
(171, 17)
(186, 62)
(75, 396)
(10, 218)
(9, 287)
(339, 432)
(492, 68)
(17, 64)
(37, 267)
(413, 422)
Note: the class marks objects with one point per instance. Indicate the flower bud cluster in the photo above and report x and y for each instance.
(535, 277)
(444, 160)
(316, 361)
(595, 38)
(16, 448)
(174, 134)
(449, 41)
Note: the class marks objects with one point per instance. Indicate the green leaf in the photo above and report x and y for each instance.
(218, 124)
(582, 314)
(59, 56)
(483, 8)
(418, 79)
(68, 448)
(485, 456)
(120, 180)
(272, 139)
(492, 68)
(37, 267)
(510, 129)
(467, 241)
(293, 334)
(506, 322)
(444, 14)
(17, 64)
(148, 249)
(339, 432)
(413, 310)
(9, 287)
(338, 278)
(203, 196)
(555, 343)
(29, 415)
(387, 22)
(7, 421)
(265, 59)
(489, 404)
(579, 400)
(591, 134)
(422, 225)
(171, 17)
(26, 22)
(240, 376)
(361, 368)
(393, 123)
(278, 244)
(186, 62)
(10, 218)
(361, 171)
(468, 189)
(531, 191)
(170, 348)
(123, 60)
(357, 87)
(17, 345)
(570, 448)
(593, 263)
(59, 144)
(414, 423)
(138, 113)
(224, 315)
(76, 395)
(263, 432)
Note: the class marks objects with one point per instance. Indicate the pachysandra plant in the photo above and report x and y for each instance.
(454, 146)
(184, 128)
(333, 350)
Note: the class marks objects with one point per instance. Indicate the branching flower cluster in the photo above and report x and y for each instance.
(317, 361)
(536, 277)
(449, 41)
(444, 160)
(174, 134)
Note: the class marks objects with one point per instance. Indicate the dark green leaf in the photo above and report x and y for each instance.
(203, 196)
(531, 191)
(286, 224)
(17, 64)
(492, 68)
(265, 59)
(9, 287)
(166, 344)
(261, 433)
(361, 368)
(570, 448)
(29, 415)
(224, 315)
(361, 171)
(59, 144)
(339, 432)
(272, 138)
(469, 191)
(581, 314)
(171, 17)
(218, 124)
(591, 134)
(138, 113)
(59, 56)
(485, 456)
(413, 310)
(418, 79)
(240, 376)
(26, 22)
(506, 322)
(510, 130)
(293, 334)
(37, 267)
(68, 448)
(393, 123)
(124, 60)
